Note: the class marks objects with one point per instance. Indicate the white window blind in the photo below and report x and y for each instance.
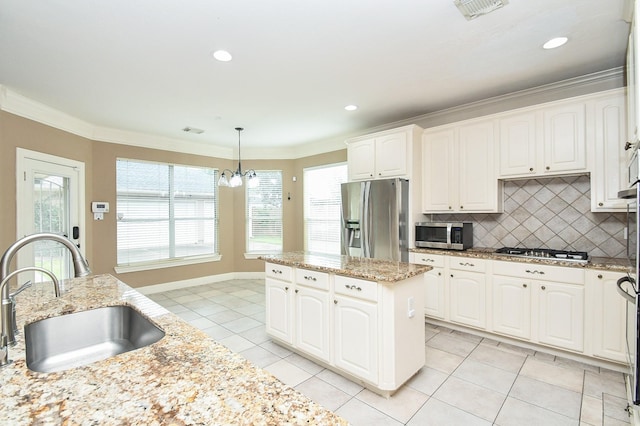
(165, 211)
(322, 208)
(264, 213)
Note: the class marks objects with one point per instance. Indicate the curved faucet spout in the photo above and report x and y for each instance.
(80, 267)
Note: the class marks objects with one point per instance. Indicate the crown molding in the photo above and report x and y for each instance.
(23, 106)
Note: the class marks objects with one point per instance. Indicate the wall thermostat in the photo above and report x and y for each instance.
(100, 207)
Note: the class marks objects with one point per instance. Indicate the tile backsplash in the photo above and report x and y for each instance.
(550, 213)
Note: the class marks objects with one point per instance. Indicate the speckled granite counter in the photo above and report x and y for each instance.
(382, 271)
(185, 378)
(602, 263)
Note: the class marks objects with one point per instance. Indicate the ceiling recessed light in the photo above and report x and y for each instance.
(222, 55)
(555, 42)
(351, 107)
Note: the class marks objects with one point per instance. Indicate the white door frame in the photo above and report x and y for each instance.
(23, 194)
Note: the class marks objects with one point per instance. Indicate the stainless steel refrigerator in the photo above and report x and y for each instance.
(375, 219)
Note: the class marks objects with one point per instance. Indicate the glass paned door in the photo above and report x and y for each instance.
(49, 199)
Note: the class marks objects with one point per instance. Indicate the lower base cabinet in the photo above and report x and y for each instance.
(367, 331)
(511, 307)
(609, 316)
(561, 315)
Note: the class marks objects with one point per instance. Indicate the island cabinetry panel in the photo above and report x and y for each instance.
(382, 155)
(369, 331)
(279, 302)
(435, 301)
(459, 171)
(608, 315)
(312, 313)
(356, 327)
(468, 291)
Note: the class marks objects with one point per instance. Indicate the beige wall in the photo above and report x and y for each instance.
(100, 158)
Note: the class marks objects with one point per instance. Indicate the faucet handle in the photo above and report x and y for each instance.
(4, 350)
(22, 288)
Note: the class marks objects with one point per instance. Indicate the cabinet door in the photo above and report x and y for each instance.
(561, 315)
(609, 174)
(609, 316)
(512, 306)
(391, 155)
(434, 304)
(565, 146)
(279, 308)
(361, 159)
(468, 298)
(518, 145)
(477, 180)
(312, 322)
(439, 180)
(356, 337)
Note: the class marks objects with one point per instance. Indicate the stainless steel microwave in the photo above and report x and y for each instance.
(444, 235)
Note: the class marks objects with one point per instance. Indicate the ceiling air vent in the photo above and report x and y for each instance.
(471, 9)
(193, 130)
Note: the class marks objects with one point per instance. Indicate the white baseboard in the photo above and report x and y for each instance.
(176, 285)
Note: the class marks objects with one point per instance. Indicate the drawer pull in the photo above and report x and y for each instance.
(310, 278)
(276, 271)
(424, 259)
(535, 271)
(466, 264)
(352, 287)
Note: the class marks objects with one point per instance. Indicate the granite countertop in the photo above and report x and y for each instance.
(185, 378)
(382, 271)
(601, 263)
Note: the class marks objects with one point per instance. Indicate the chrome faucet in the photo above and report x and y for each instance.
(80, 267)
(9, 304)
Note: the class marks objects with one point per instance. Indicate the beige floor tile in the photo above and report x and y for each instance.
(358, 413)
(568, 378)
(591, 412)
(288, 373)
(469, 397)
(499, 358)
(427, 380)
(519, 413)
(260, 356)
(615, 408)
(545, 395)
(304, 363)
(435, 412)
(236, 343)
(596, 384)
(401, 406)
(441, 360)
(323, 393)
(340, 382)
(485, 375)
(452, 343)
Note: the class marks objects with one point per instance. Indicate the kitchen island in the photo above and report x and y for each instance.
(185, 378)
(362, 318)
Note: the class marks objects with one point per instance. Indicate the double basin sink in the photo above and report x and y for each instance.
(81, 338)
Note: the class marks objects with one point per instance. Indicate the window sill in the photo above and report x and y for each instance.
(257, 255)
(123, 269)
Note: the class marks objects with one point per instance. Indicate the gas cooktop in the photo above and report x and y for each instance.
(542, 253)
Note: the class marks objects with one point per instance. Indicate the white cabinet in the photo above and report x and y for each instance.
(459, 169)
(312, 314)
(356, 328)
(279, 302)
(436, 299)
(468, 287)
(608, 313)
(511, 306)
(543, 141)
(554, 297)
(609, 172)
(382, 155)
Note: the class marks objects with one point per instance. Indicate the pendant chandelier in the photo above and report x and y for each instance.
(236, 177)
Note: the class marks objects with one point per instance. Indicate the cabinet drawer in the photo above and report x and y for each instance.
(367, 290)
(279, 272)
(435, 260)
(539, 272)
(467, 264)
(319, 280)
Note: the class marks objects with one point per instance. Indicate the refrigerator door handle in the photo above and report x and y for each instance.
(623, 292)
(366, 219)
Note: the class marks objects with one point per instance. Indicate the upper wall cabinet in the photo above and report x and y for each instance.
(458, 169)
(382, 155)
(543, 142)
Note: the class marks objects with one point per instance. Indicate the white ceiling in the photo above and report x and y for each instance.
(146, 66)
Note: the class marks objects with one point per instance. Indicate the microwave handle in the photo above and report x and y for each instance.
(449, 226)
(624, 293)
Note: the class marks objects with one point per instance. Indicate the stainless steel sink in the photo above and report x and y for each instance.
(81, 338)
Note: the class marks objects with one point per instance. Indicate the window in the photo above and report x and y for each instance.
(165, 211)
(322, 208)
(264, 213)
